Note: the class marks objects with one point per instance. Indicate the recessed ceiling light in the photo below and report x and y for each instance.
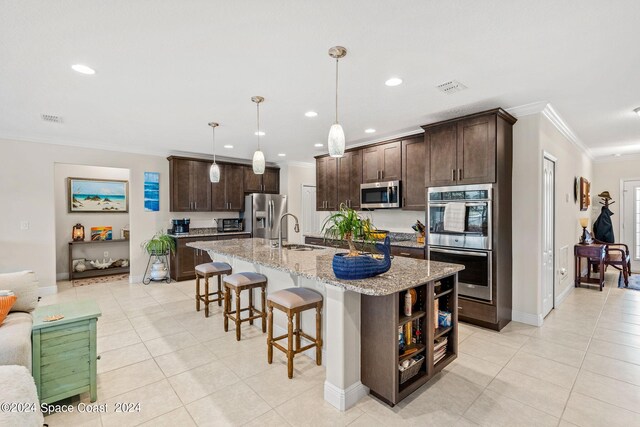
(311, 114)
(393, 81)
(83, 69)
(317, 145)
(259, 133)
(617, 155)
(228, 146)
(370, 130)
(637, 111)
(282, 155)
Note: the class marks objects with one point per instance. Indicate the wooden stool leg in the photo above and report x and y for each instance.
(319, 334)
(197, 292)
(270, 336)
(227, 306)
(250, 306)
(219, 290)
(237, 315)
(206, 295)
(290, 344)
(297, 331)
(264, 315)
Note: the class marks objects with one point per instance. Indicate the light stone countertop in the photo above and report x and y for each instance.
(402, 243)
(207, 234)
(405, 273)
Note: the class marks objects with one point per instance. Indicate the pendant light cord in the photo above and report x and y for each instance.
(258, 115)
(214, 144)
(337, 90)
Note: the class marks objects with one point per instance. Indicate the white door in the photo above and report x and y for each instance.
(548, 234)
(310, 219)
(631, 222)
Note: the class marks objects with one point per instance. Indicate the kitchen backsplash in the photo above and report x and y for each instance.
(202, 219)
(395, 220)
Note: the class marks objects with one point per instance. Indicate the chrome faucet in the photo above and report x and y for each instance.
(296, 227)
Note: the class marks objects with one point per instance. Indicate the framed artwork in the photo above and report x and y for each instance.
(585, 194)
(102, 233)
(151, 191)
(98, 195)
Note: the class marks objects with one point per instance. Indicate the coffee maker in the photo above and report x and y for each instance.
(180, 226)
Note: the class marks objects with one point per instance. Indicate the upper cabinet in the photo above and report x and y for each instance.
(381, 162)
(350, 178)
(228, 194)
(413, 170)
(463, 151)
(326, 183)
(190, 189)
(268, 182)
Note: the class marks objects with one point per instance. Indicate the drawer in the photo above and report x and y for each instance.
(407, 252)
(477, 310)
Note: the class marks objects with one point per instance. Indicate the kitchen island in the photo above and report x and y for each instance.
(342, 324)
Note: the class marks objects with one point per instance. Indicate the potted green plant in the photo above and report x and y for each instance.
(160, 245)
(347, 225)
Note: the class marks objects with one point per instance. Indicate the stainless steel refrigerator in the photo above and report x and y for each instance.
(262, 214)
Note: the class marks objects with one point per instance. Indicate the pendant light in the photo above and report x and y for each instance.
(336, 141)
(258, 156)
(214, 170)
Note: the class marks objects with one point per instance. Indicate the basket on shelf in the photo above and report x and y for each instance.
(411, 371)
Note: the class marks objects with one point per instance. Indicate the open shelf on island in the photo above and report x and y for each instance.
(443, 293)
(414, 316)
(441, 331)
(420, 349)
(448, 358)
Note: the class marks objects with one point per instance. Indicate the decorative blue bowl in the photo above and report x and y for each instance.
(363, 266)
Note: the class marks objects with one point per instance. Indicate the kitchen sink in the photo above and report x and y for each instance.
(294, 247)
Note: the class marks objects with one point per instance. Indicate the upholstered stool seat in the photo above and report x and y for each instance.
(206, 271)
(237, 283)
(293, 302)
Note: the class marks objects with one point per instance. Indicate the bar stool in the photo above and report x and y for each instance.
(239, 282)
(207, 270)
(293, 301)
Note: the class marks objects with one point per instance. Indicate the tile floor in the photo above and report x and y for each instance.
(581, 368)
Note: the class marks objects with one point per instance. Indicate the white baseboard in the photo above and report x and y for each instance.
(344, 399)
(564, 295)
(135, 279)
(528, 318)
(47, 290)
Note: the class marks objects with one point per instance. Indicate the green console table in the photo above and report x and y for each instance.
(64, 351)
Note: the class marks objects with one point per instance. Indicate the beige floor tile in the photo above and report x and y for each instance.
(465, 422)
(473, 369)
(177, 418)
(588, 412)
(617, 337)
(184, 360)
(558, 336)
(494, 409)
(573, 324)
(495, 353)
(75, 419)
(310, 408)
(155, 399)
(109, 328)
(629, 328)
(615, 351)
(454, 393)
(544, 369)
(613, 368)
(231, 406)
(531, 391)
(114, 359)
(227, 345)
(507, 339)
(274, 386)
(203, 380)
(160, 328)
(116, 341)
(521, 328)
(122, 380)
(556, 352)
(366, 420)
(608, 390)
(616, 316)
(170, 343)
(564, 423)
(268, 419)
(246, 365)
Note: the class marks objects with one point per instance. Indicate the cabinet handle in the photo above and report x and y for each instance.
(404, 201)
(382, 174)
(460, 174)
(405, 253)
(453, 174)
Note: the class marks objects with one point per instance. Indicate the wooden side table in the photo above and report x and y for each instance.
(594, 253)
(64, 351)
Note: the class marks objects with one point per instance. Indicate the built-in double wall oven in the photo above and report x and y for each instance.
(459, 220)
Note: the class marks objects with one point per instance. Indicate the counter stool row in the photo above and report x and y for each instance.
(292, 302)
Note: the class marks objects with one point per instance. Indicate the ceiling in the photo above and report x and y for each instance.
(164, 69)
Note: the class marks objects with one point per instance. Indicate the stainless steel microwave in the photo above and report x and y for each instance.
(380, 195)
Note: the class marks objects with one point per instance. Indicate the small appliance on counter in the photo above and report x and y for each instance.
(229, 224)
(180, 226)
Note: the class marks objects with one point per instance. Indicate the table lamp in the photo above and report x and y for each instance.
(585, 239)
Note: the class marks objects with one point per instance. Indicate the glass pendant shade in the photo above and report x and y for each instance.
(258, 162)
(336, 141)
(214, 173)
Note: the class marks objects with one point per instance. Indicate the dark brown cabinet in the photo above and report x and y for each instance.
(382, 162)
(228, 194)
(462, 151)
(349, 179)
(185, 258)
(413, 169)
(268, 182)
(190, 189)
(326, 183)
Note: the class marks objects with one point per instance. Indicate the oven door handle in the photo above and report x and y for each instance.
(442, 205)
(449, 251)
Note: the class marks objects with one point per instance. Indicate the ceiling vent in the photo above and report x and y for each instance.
(51, 118)
(451, 86)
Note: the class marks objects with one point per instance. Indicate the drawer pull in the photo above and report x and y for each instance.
(405, 253)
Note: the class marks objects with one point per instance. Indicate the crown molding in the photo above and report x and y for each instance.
(387, 137)
(300, 164)
(527, 109)
(609, 158)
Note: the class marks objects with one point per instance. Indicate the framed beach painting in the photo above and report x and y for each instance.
(98, 195)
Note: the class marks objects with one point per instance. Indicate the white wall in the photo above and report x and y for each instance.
(27, 189)
(65, 220)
